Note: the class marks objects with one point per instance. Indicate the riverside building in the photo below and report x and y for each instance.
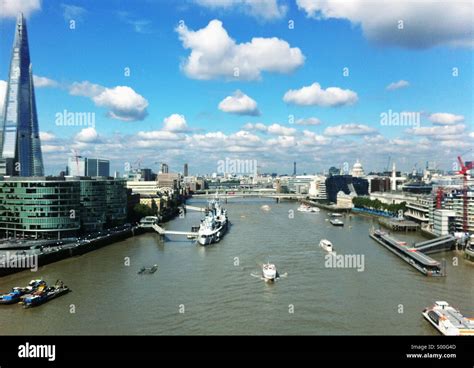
(60, 207)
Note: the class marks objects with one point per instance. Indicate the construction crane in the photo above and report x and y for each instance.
(464, 171)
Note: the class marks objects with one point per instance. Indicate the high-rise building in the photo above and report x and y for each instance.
(20, 146)
(164, 169)
(83, 166)
(346, 183)
(55, 207)
(97, 167)
(185, 172)
(294, 168)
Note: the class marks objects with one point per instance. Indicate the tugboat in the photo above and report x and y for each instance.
(14, 296)
(448, 320)
(44, 294)
(269, 272)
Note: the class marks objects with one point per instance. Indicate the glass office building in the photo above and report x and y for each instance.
(39, 208)
(83, 166)
(20, 146)
(58, 207)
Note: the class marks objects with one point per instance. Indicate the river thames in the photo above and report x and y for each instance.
(211, 290)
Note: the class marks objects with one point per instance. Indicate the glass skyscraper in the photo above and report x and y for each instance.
(20, 146)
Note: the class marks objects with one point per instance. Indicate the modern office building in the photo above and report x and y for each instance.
(185, 171)
(347, 184)
(444, 222)
(146, 174)
(164, 169)
(39, 208)
(97, 167)
(317, 189)
(59, 207)
(20, 146)
(168, 180)
(83, 166)
(379, 184)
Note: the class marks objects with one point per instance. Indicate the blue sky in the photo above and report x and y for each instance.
(171, 108)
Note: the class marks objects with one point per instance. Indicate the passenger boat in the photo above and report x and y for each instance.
(448, 320)
(326, 245)
(269, 272)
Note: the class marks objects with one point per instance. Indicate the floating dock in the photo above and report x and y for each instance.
(426, 265)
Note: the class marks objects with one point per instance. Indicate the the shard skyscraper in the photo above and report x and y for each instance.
(20, 144)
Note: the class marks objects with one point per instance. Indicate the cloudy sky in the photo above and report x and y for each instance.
(319, 82)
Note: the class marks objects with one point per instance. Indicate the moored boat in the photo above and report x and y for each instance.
(14, 296)
(214, 225)
(44, 294)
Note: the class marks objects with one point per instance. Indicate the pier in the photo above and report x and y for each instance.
(441, 244)
(162, 231)
(423, 263)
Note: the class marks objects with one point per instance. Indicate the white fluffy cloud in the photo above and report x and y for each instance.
(315, 138)
(314, 95)
(266, 9)
(11, 8)
(160, 135)
(87, 135)
(41, 82)
(308, 121)
(397, 85)
(175, 123)
(349, 129)
(46, 136)
(122, 101)
(444, 118)
(240, 104)
(426, 23)
(278, 129)
(216, 55)
(442, 131)
(275, 129)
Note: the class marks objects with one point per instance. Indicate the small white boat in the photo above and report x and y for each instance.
(306, 208)
(335, 214)
(269, 272)
(336, 222)
(326, 245)
(265, 208)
